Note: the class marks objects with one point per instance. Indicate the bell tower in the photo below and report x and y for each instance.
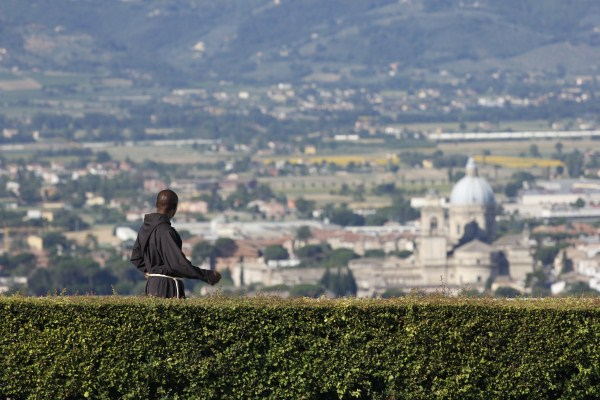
(433, 242)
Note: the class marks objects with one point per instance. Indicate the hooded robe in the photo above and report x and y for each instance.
(157, 250)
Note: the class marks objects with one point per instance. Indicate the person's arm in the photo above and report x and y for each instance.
(137, 256)
(180, 266)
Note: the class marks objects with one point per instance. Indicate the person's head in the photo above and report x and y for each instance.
(166, 203)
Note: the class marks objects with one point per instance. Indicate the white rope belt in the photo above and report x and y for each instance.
(177, 280)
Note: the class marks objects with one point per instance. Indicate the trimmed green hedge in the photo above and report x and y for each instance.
(218, 348)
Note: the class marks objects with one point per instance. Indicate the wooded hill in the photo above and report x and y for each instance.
(283, 40)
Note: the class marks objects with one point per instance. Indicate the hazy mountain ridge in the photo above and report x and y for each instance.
(286, 40)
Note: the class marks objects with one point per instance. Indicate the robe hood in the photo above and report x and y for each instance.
(151, 221)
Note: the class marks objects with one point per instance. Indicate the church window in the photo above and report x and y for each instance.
(433, 225)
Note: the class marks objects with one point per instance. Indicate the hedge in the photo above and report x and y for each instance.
(269, 348)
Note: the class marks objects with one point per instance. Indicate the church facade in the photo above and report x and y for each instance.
(454, 249)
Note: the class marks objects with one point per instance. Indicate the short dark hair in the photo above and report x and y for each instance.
(166, 200)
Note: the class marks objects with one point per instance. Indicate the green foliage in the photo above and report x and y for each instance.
(275, 252)
(402, 253)
(202, 251)
(339, 257)
(103, 156)
(580, 289)
(55, 240)
(506, 291)
(512, 189)
(206, 252)
(313, 252)
(566, 264)
(106, 215)
(516, 182)
(226, 278)
(440, 160)
(306, 290)
(214, 201)
(19, 264)
(68, 220)
(244, 194)
(226, 348)
(341, 283)
(377, 253)
(399, 211)
(305, 207)
(11, 218)
(322, 255)
(384, 189)
(29, 186)
(345, 217)
(185, 234)
(455, 176)
(546, 254)
(514, 225)
(72, 275)
(538, 282)
(129, 281)
(389, 31)
(523, 176)
(225, 247)
(121, 185)
(574, 160)
(579, 203)
(303, 233)
(392, 292)
(534, 151)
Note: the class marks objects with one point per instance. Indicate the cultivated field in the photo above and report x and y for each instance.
(516, 147)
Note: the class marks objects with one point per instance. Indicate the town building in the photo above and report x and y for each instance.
(560, 198)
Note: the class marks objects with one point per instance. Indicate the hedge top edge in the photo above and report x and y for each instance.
(576, 303)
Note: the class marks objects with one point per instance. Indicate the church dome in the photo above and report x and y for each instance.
(472, 189)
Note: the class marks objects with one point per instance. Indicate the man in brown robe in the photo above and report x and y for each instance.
(157, 252)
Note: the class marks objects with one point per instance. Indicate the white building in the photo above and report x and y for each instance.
(585, 258)
(248, 273)
(124, 233)
(556, 199)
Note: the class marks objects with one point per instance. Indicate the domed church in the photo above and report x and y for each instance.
(472, 200)
(454, 248)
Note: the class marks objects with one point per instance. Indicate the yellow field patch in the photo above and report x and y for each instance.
(518, 162)
(341, 160)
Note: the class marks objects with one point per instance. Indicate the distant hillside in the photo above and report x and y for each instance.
(286, 40)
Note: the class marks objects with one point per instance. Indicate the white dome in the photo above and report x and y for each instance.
(472, 189)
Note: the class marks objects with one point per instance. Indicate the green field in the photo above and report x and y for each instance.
(475, 126)
(516, 147)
